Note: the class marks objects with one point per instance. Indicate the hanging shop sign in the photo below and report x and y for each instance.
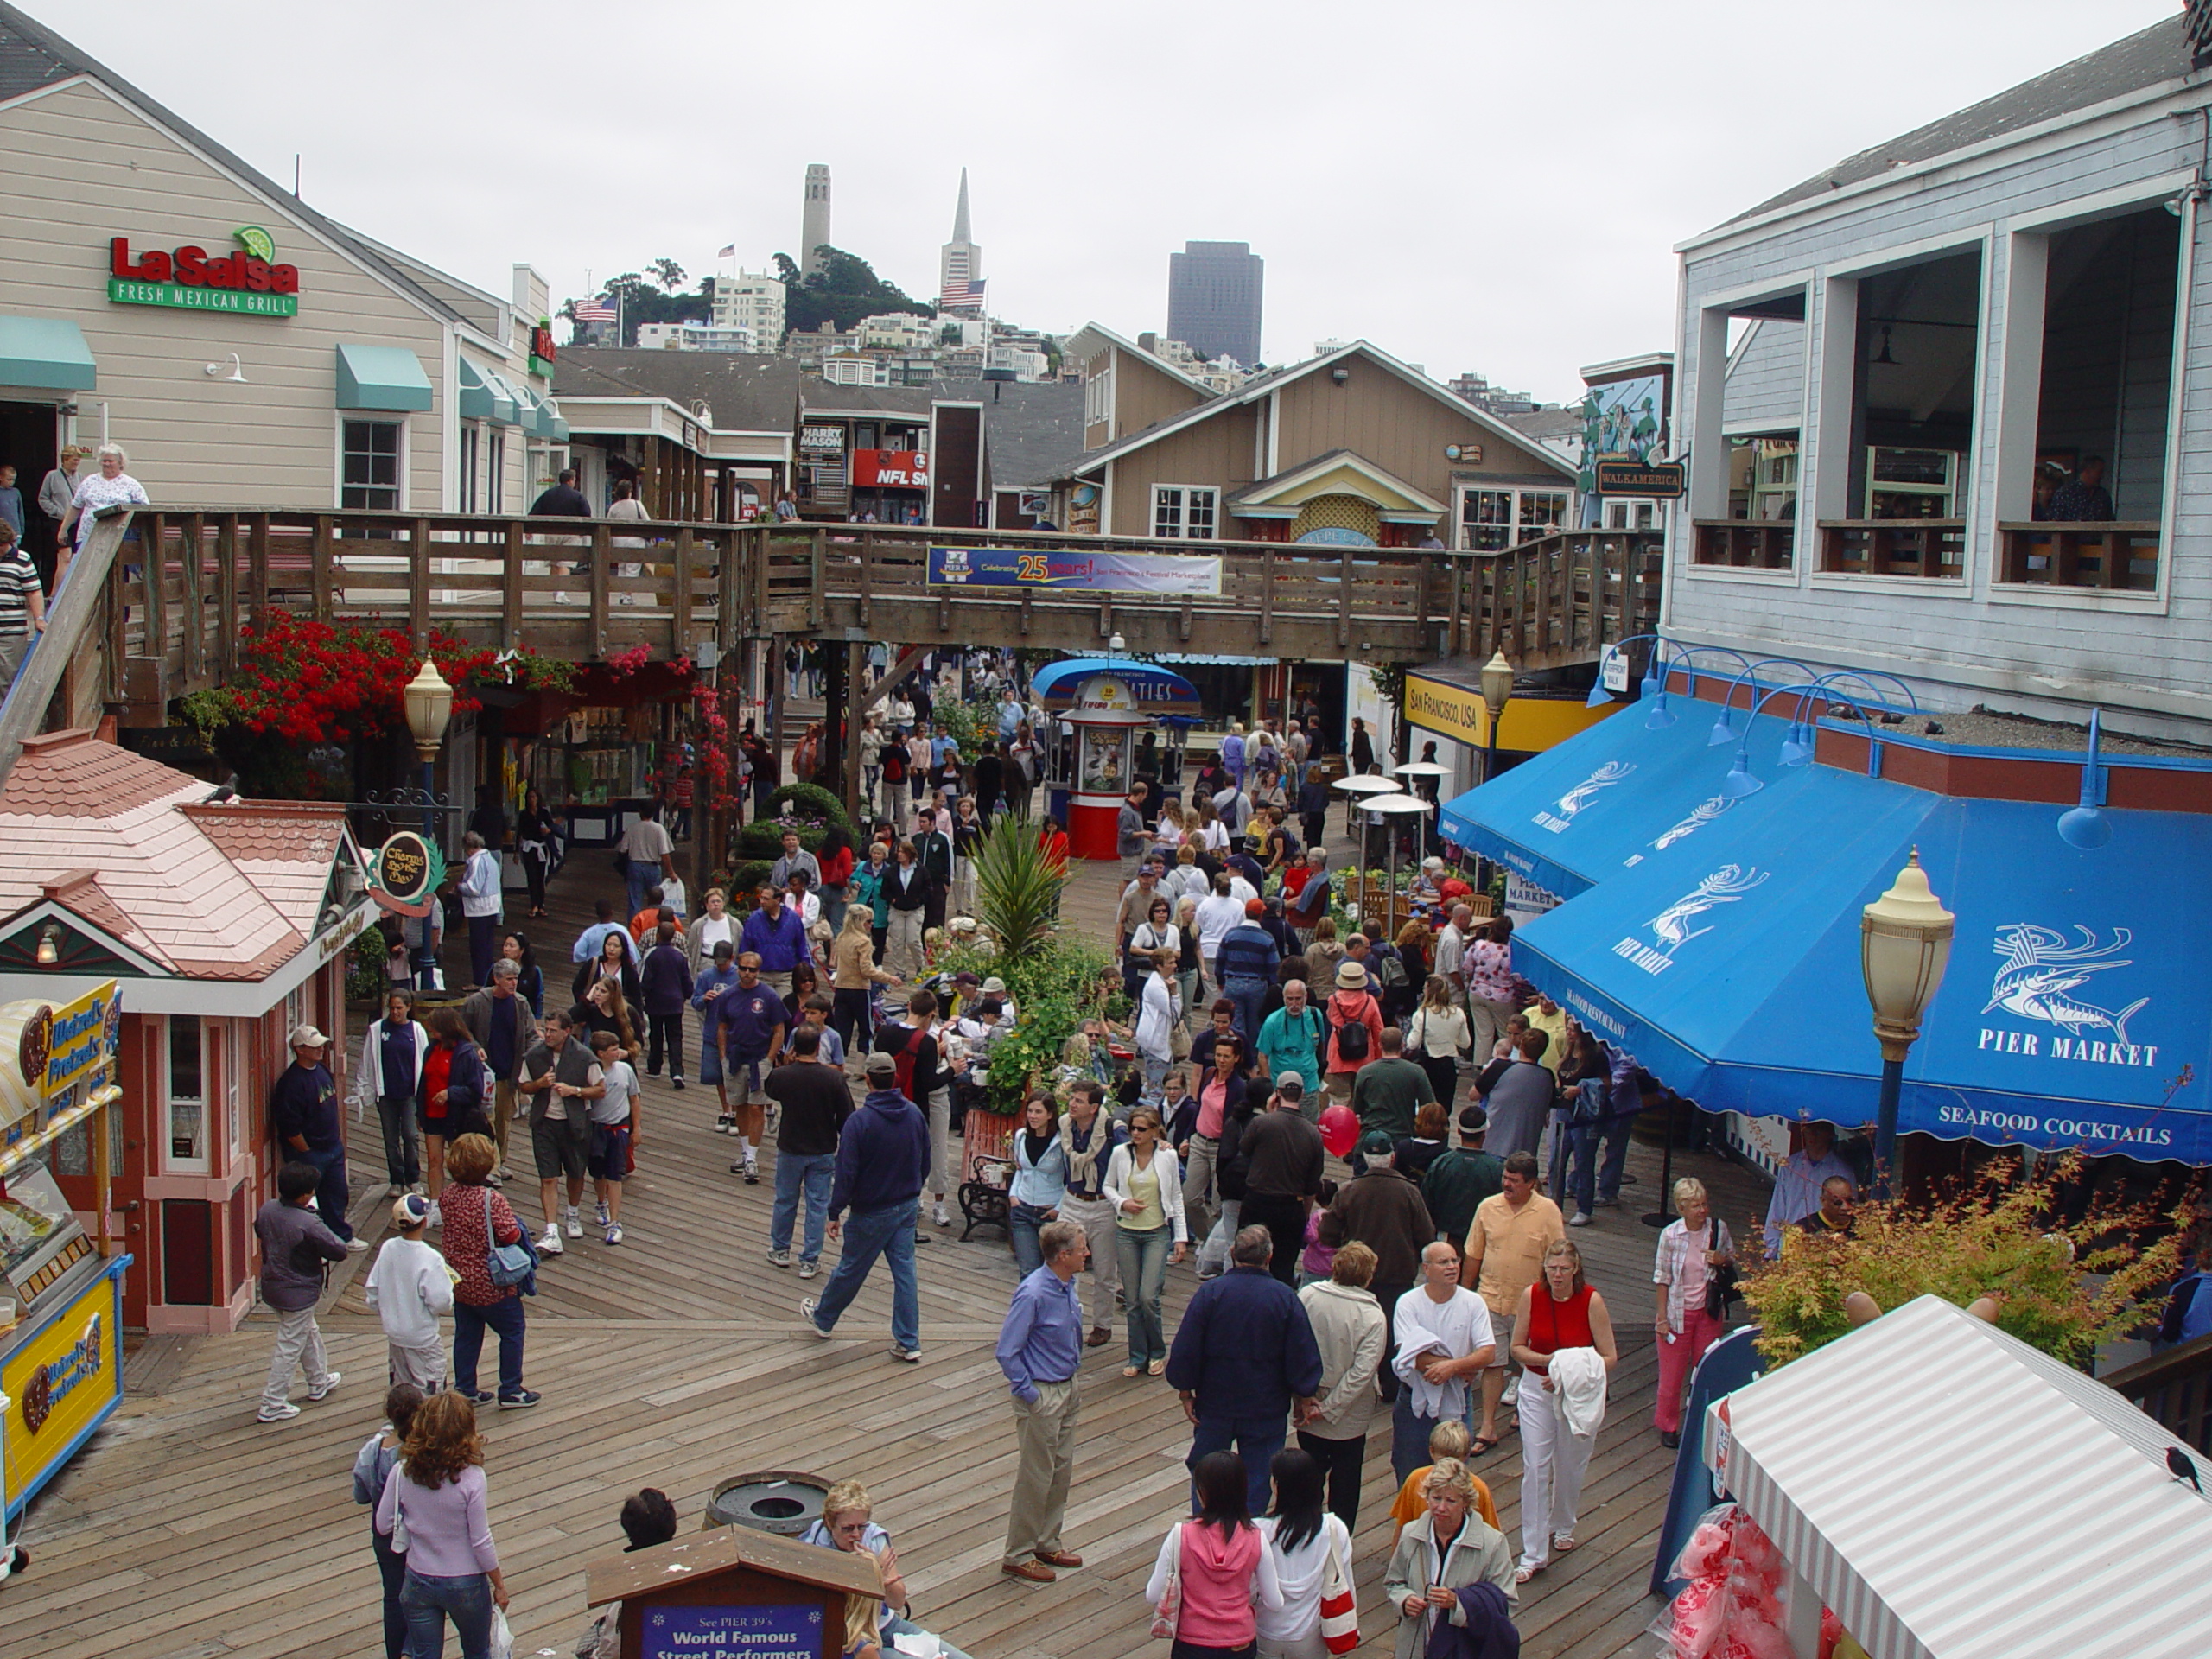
(404, 873)
(1655, 478)
(249, 282)
(59, 1054)
(540, 349)
(1123, 573)
(821, 440)
(902, 469)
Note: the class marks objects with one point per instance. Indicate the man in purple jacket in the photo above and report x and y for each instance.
(883, 1156)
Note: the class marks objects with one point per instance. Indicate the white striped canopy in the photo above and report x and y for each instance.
(1953, 1493)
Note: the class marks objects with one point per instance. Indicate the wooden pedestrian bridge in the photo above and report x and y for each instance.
(187, 581)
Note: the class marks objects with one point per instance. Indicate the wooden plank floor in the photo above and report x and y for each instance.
(677, 1360)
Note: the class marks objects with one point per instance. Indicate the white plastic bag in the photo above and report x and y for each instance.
(503, 1638)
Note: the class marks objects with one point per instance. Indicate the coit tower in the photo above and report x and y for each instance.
(814, 227)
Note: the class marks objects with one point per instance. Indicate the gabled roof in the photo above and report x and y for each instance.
(1077, 350)
(2143, 61)
(1253, 392)
(748, 391)
(1338, 473)
(137, 851)
(32, 57)
(1032, 429)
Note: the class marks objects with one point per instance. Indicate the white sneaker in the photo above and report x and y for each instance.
(1580, 1218)
(437, 1217)
(941, 1215)
(283, 1414)
(602, 1214)
(550, 1244)
(575, 1224)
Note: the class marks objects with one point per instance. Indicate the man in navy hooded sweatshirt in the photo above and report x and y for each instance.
(883, 1156)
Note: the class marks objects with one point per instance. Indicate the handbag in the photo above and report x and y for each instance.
(1179, 1039)
(1340, 1608)
(1170, 1610)
(1720, 1282)
(507, 1265)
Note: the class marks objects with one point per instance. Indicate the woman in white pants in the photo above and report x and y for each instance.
(1563, 1339)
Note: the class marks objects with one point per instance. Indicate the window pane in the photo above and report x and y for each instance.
(1201, 525)
(1166, 511)
(1486, 520)
(369, 465)
(186, 1100)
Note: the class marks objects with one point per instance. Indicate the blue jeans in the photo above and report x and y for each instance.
(887, 1232)
(1409, 1432)
(640, 873)
(796, 1170)
(392, 1566)
(469, 1323)
(1257, 1441)
(430, 1602)
(1142, 1258)
(1023, 1221)
(331, 1195)
(1588, 1180)
(1248, 995)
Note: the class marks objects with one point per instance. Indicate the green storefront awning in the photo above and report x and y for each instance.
(559, 434)
(381, 376)
(485, 396)
(45, 354)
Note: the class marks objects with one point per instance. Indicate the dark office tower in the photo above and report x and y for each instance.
(1213, 299)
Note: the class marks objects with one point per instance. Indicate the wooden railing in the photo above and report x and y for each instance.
(1747, 543)
(2121, 556)
(192, 580)
(2175, 1388)
(1894, 547)
(1559, 600)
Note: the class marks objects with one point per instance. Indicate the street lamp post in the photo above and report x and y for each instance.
(428, 701)
(1904, 943)
(1497, 691)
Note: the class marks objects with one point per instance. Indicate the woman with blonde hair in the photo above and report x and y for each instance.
(1168, 835)
(1210, 833)
(1440, 1554)
(1437, 1036)
(1557, 1313)
(437, 1490)
(1691, 1249)
(852, 970)
(1145, 1186)
(1324, 953)
(846, 1524)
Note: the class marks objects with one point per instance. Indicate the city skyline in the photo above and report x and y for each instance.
(1502, 270)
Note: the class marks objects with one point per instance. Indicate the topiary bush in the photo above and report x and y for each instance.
(811, 805)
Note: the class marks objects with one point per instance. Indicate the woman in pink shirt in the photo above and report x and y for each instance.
(1218, 1565)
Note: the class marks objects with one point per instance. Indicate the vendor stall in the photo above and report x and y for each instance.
(1108, 710)
(2001, 1506)
(62, 1307)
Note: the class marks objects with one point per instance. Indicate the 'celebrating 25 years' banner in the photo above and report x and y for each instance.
(1123, 573)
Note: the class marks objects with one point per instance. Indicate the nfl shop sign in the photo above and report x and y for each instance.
(904, 469)
(249, 280)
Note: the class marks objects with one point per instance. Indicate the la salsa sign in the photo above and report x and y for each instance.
(250, 281)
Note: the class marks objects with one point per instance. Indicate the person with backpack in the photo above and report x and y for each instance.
(1355, 1020)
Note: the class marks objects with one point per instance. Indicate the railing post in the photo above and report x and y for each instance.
(821, 549)
(758, 624)
(1344, 599)
(510, 584)
(195, 620)
(257, 574)
(681, 623)
(602, 551)
(226, 595)
(1267, 594)
(153, 552)
(868, 578)
(321, 599)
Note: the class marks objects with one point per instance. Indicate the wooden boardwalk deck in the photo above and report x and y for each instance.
(677, 1360)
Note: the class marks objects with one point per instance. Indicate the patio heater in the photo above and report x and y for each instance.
(1386, 807)
(1904, 943)
(429, 699)
(1355, 786)
(1417, 772)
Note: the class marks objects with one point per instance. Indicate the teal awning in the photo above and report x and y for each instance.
(485, 396)
(559, 433)
(380, 376)
(45, 354)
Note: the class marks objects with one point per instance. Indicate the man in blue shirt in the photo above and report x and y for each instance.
(706, 990)
(778, 936)
(304, 1109)
(746, 1026)
(1041, 1346)
(593, 939)
(883, 1156)
(1244, 1357)
(1245, 963)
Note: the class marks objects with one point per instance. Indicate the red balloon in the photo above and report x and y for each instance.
(1339, 1129)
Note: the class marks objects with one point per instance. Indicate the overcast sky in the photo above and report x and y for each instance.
(1467, 184)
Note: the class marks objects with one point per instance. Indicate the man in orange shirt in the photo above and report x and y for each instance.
(646, 922)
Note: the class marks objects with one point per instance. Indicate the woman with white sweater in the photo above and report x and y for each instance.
(1144, 1183)
(389, 1076)
(1160, 1010)
(1311, 1550)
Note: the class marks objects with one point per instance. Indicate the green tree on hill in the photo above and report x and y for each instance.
(843, 291)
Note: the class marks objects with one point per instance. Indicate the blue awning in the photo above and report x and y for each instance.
(381, 376)
(1604, 801)
(485, 396)
(45, 354)
(1158, 691)
(2075, 997)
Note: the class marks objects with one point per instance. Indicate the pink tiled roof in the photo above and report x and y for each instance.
(226, 892)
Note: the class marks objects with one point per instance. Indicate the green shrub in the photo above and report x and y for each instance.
(812, 805)
(747, 879)
(366, 961)
(1018, 888)
(1056, 986)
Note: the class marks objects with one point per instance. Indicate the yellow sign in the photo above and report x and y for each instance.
(1530, 725)
(59, 1384)
(54, 1050)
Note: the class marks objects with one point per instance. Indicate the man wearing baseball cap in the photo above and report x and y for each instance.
(304, 1109)
(883, 1156)
(1285, 1160)
(1463, 1176)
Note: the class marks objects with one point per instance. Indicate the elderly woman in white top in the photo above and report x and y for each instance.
(108, 487)
(1692, 1248)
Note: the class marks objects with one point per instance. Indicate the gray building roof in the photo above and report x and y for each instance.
(747, 391)
(1033, 433)
(1543, 423)
(32, 56)
(2145, 60)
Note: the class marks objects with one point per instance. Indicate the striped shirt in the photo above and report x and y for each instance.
(18, 581)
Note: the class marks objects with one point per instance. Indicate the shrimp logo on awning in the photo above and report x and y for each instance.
(1569, 806)
(2039, 969)
(1672, 926)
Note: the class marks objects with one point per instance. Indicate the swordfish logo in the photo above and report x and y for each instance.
(2039, 969)
(1704, 813)
(1672, 926)
(1565, 809)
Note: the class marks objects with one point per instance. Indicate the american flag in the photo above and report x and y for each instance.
(961, 293)
(729, 252)
(596, 311)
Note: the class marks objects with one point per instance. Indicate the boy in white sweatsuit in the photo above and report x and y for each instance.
(409, 1287)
